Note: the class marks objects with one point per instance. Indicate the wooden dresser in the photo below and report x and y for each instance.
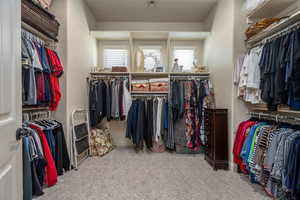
(216, 127)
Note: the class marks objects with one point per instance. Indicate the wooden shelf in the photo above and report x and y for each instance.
(149, 74)
(269, 8)
(275, 28)
(32, 108)
(281, 109)
(109, 73)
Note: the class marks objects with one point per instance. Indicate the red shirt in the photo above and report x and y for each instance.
(239, 142)
(56, 71)
(51, 173)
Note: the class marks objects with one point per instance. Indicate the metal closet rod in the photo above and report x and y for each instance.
(189, 77)
(108, 77)
(37, 115)
(149, 95)
(276, 35)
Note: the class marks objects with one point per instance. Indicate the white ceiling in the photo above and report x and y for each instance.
(165, 11)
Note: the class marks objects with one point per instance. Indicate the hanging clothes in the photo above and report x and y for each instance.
(272, 67)
(45, 156)
(51, 173)
(108, 99)
(41, 69)
(269, 154)
(186, 109)
(146, 123)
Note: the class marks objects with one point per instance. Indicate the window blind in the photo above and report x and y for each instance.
(115, 57)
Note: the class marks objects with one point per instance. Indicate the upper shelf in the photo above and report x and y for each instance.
(270, 8)
(152, 74)
(275, 28)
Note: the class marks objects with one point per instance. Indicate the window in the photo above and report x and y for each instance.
(115, 57)
(186, 57)
(152, 58)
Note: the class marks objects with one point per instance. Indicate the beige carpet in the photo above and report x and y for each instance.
(125, 175)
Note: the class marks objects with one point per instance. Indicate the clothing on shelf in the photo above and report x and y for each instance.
(41, 69)
(269, 73)
(147, 123)
(45, 156)
(108, 98)
(269, 153)
(188, 99)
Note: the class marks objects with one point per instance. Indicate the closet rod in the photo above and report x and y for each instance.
(37, 33)
(276, 117)
(189, 77)
(28, 109)
(149, 94)
(107, 77)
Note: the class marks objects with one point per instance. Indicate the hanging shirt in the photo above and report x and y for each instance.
(51, 172)
(238, 68)
(243, 77)
(158, 120)
(127, 101)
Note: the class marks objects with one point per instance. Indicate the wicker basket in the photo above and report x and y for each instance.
(40, 19)
(259, 26)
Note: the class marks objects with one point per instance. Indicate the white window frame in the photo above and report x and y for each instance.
(124, 47)
(183, 48)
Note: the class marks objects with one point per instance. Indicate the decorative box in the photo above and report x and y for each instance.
(118, 69)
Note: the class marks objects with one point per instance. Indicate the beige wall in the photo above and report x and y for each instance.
(150, 26)
(239, 108)
(218, 51)
(221, 48)
(59, 9)
(77, 50)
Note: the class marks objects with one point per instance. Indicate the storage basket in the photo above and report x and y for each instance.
(159, 85)
(140, 86)
(40, 19)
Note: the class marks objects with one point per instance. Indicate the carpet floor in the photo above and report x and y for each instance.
(126, 175)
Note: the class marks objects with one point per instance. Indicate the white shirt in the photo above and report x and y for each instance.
(237, 69)
(253, 80)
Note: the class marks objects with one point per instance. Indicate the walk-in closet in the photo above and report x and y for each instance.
(149, 99)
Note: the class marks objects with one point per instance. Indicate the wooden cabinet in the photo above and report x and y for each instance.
(216, 127)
